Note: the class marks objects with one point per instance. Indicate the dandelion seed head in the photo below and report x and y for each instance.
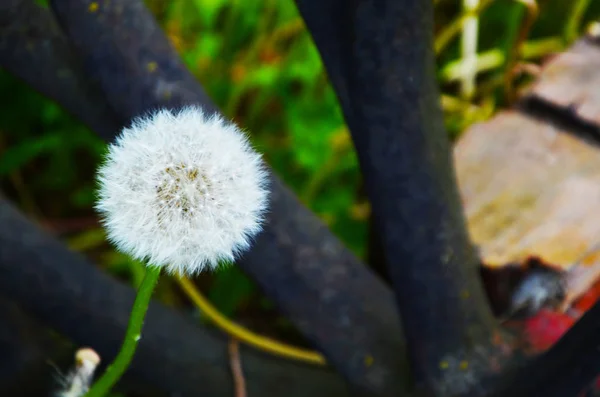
(182, 190)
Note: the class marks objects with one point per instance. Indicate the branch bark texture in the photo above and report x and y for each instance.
(33, 48)
(77, 299)
(380, 60)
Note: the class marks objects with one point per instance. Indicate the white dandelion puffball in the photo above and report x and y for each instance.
(182, 190)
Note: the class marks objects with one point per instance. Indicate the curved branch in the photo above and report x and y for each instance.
(81, 301)
(379, 56)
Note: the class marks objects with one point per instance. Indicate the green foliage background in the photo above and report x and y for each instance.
(258, 63)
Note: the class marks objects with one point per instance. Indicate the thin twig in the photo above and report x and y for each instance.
(515, 51)
(236, 368)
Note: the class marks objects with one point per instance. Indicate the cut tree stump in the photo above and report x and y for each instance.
(530, 177)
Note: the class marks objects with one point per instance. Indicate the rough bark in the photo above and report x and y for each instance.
(61, 289)
(380, 60)
(33, 48)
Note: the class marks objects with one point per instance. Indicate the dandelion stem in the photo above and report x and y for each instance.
(134, 331)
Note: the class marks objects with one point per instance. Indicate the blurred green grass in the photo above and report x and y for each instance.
(258, 63)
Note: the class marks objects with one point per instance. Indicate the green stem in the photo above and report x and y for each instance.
(454, 27)
(574, 22)
(134, 331)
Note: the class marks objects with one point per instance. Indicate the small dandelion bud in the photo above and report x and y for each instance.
(182, 190)
(78, 381)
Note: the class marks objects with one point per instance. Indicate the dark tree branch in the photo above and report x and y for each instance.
(33, 48)
(61, 288)
(25, 350)
(380, 60)
(332, 298)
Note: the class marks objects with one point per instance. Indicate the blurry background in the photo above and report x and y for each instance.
(259, 65)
